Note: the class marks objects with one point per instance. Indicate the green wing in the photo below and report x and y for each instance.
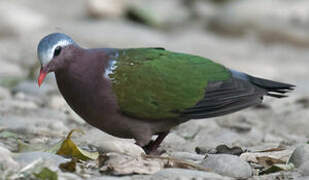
(157, 84)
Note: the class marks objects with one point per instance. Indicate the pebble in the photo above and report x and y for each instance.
(6, 160)
(57, 102)
(304, 168)
(29, 157)
(68, 176)
(16, 105)
(187, 156)
(176, 142)
(4, 93)
(111, 178)
(13, 23)
(227, 165)
(300, 155)
(31, 88)
(272, 21)
(10, 73)
(280, 176)
(158, 13)
(211, 138)
(182, 174)
(106, 8)
(122, 147)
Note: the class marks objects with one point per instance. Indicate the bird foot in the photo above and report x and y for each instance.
(152, 146)
(150, 150)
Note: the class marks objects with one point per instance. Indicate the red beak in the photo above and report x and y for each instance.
(41, 76)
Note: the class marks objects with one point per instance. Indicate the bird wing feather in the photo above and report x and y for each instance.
(156, 84)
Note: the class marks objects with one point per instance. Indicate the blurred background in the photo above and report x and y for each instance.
(266, 38)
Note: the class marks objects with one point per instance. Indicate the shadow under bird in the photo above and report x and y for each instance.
(141, 92)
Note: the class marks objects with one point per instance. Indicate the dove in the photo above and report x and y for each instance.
(141, 92)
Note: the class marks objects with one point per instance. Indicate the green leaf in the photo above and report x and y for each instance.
(46, 174)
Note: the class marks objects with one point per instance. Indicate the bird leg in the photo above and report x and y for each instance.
(152, 146)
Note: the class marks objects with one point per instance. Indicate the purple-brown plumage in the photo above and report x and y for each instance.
(90, 94)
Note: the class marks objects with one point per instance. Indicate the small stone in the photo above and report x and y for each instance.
(24, 97)
(106, 8)
(122, 147)
(57, 102)
(300, 155)
(176, 142)
(112, 178)
(14, 105)
(187, 156)
(4, 93)
(68, 176)
(203, 9)
(228, 165)
(220, 149)
(211, 138)
(304, 168)
(29, 157)
(175, 173)
(6, 160)
(239, 124)
(158, 13)
(280, 176)
(32, 88)
(58, 125)
(266, 19)
(10, 73)
(18, 20)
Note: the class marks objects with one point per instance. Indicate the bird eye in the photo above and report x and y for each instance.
(57, 51)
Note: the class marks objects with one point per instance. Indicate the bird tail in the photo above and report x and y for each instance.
(274, 89)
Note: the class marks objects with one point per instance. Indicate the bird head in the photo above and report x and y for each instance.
(52, 53)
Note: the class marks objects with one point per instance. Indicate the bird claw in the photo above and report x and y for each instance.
(151, 151)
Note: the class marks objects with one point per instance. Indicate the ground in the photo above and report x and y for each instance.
(266, 42)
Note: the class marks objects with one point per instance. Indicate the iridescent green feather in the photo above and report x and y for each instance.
(158, 84)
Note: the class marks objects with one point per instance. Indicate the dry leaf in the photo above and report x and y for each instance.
(282, 155)
(69, 166)
(278, 167)
(66, 148)
(273, 149)
(69, 149)
(269, 161)
(121, 164)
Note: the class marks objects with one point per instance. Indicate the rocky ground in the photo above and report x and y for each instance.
(264, 38)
